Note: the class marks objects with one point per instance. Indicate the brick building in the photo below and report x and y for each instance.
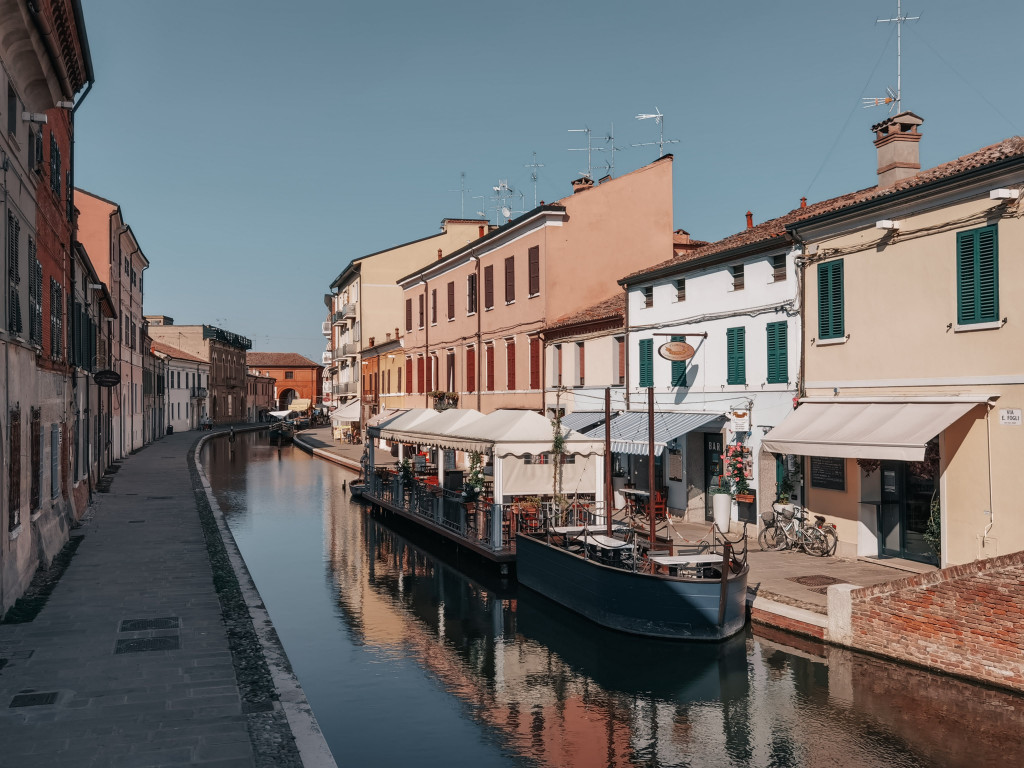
(298, 377)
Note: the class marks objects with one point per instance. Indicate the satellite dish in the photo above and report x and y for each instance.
(506, 212)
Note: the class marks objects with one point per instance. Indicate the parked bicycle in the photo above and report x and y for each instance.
(787, 528)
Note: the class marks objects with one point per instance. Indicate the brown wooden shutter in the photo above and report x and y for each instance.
(534, 270)
(433, 307)
(488, 286)
(451, 300)
(408, 314)
(510, 279)
(430, 374)
(420, 374)
(534, 362)
(471, 369)
(622, 360)
(490, 367)
(582, 350)
(510, 362)
(408, 374)
(422, 299)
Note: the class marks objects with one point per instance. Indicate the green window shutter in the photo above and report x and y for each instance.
(830, 300)
(977, 275)
(646, 362)
(736, 366)
(678, 368)
(778, 356)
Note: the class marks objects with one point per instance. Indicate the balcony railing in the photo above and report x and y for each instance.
(348, 312)
(198, 392)
(325, 328)
(345, 388)
(328, 357)
(351, 349)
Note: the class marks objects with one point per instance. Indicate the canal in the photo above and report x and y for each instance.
(410, 656)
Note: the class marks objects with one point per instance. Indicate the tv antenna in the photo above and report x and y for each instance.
(894, 100)
(462, 192)
(662, 141)
(609, 140)
(589, 173)
(533, 176)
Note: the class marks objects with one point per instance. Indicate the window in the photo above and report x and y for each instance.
(450, 370)
(12, 111)
(510, 363)
(14, 273)
(35, 436)
(451, 300)
(433, 306)
(620, 354)
(471, 294)
(422, 312)
(489, 371)
(737, 277)
(649, 296)
(14, 468)
(534, 362)
(408, 315)
(736, 364)
(408, 374)
(35, 295)
(580, 364)
(646, 362)
(55, 168)
(678, 367)
(489, 286)
(977, 276)
(778, 356)
(830, 300)
(56, 320)
(431, 371)
(289, 374)
(471, 369)
(510, 279)
(779, 268)
(419, 375)
(534, 260)
(681, 289)
(556, 365)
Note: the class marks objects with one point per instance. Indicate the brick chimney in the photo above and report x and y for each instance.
(898, 153)
(582, 184)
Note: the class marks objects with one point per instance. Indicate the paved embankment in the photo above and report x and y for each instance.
(145, 653)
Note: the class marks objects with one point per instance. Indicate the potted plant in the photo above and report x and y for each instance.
(473, 485)
(736, 473)
(444, 400)
(721, 506)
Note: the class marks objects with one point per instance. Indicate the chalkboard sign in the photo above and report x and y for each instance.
(675, 466)
(828, 472)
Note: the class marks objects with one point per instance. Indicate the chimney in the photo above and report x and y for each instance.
(897, 142)
(439, 256)
(387, 336)
(803, 202)
(480, 231)
(582, 184)
(750, 220)
(396, 333)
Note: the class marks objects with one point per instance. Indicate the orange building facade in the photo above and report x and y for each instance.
(297, 377)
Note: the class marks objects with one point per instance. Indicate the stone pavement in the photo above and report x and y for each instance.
(130, 662)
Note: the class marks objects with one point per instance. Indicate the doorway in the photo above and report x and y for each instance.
(714, 447)
(904, 512)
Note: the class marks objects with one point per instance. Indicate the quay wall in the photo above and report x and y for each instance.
(967, 620)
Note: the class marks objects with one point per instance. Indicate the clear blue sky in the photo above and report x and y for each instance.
(256, 147)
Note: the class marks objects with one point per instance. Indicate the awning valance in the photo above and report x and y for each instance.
(629, 429)
(864, 430)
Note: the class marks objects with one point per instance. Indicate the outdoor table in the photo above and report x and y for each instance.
(694, 563)
(635, 499)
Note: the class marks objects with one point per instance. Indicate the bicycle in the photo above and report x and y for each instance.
(788, 529)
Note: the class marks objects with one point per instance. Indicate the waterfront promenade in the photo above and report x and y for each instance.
(787, 589)
(145, 653)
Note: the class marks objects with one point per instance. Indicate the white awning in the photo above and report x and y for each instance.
(864, 430)
(629, 429)
(347, 413)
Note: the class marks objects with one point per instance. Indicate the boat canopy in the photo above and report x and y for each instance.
(299, 404)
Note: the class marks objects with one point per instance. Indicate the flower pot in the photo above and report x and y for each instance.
(721, 505)
(745, 497)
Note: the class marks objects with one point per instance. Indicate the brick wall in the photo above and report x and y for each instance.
(966, 620)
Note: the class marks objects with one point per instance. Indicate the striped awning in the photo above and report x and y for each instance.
(629, 429)
(581, 421)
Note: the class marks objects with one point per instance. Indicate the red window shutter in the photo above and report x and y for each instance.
(430, 374)
(534, 270)
(470, 369)
(451, 300)
(488, 286)
(408, 314)
(408, 374)
(510, 362)
(510, 279)
(419, 375)
(534, 362)
(490, 367)
(582, 349)
(622, 360)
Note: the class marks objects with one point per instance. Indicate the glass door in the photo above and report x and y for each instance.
(713, 468)
(906, 505)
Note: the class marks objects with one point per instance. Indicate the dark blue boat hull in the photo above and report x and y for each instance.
(638, 603)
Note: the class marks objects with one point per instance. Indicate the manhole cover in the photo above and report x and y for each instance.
(147, 644)
(141, 625)
(815, 581)
(34, 699)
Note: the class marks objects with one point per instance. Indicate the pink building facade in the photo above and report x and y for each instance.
(474, 320)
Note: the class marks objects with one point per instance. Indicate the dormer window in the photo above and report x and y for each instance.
(737, 277)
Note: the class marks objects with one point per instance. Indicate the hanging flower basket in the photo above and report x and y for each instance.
(747, 498)
(444, 400)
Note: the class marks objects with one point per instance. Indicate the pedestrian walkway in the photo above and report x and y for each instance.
(129, 662)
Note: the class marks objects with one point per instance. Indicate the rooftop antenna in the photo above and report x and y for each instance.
(503, 195)
(589, 174)
(482, 211)
(895, 100)
(462, 192)
(609, 140)
(662, 141)
(533, 176)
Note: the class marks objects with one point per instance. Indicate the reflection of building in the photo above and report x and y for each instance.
(225, 353)
(297, 378)
(187, 379)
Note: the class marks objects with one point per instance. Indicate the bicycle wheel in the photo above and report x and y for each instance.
(813, 541)
(771, 538)
(831, 541)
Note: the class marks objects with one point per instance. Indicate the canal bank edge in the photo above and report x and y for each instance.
(284, 732)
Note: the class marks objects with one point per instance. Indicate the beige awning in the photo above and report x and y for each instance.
(864, 430)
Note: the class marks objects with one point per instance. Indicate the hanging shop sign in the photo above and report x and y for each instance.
(740, 421)
(106, 378)
(677, 351)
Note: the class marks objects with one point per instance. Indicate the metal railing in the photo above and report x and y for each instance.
(198, 392)
(325, 328)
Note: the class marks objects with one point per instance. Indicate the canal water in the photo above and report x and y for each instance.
(411, 656)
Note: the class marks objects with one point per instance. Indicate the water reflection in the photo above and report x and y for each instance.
(388, 629)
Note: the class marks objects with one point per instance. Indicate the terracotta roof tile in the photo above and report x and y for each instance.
(167, 349)
(279, 360)
(608, 309)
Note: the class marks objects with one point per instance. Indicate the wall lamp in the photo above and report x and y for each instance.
(33, 117)
(1004, 194)
(889, 224)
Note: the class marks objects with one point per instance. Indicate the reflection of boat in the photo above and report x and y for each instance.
(700, 596)
(704, 672)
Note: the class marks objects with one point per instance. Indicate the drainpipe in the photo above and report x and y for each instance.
(626, 348)
(991, 509)
(426, 343)
(479, 336)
